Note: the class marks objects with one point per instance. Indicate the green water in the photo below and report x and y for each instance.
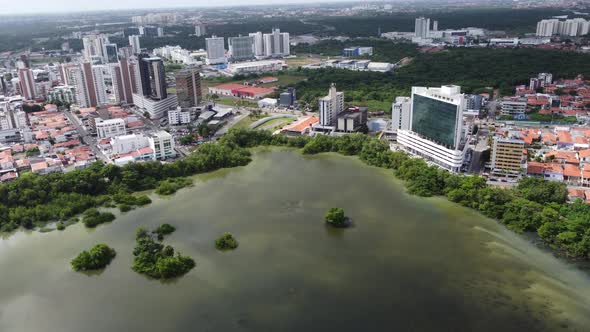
(409, 264)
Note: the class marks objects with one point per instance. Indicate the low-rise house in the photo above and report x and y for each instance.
(547, 171)
(548, 138)
(575, 194)
(300, 127)
(564, 140)
(23, 164)
(586, 175)
(584, 155)
(562, 157)
(553, 172)
(7, 177)
(572, 174)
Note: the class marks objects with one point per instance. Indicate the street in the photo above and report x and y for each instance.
(85, 137)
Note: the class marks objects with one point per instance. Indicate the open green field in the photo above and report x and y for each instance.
(304, 59)
(285, 79)
(236, 102)
(245, 122)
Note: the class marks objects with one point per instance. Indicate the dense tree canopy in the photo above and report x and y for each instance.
(475, 70)
(154, 259)
(97, 258)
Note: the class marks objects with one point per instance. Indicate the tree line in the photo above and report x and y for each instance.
(534, 205)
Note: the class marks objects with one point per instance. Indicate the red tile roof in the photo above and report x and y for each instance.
(301, 125)
(534, 167)
(564, 137)
(228, 86)
(571, 171)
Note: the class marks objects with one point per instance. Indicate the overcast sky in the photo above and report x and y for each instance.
(53, 6)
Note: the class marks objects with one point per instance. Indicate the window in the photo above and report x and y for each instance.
(435, 120)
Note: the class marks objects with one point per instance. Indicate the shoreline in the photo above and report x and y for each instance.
(258, 145)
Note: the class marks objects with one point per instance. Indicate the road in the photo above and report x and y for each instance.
(85, 137)
(232, 122)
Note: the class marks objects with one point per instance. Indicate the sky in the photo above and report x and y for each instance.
(56, 6)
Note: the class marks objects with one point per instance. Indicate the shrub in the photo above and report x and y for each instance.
(226, 242)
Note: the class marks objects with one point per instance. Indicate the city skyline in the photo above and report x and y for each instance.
(65, 6)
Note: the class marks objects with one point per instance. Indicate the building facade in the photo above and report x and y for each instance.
(241, 48)
(188, 88)
(215, 50)
(134, 43)
(276, 43)
(507, 157)
(110, 128)
(153, 77)
(127, 143)
(401, 117)
(27, 83)
(258, 43)
(330, 106)
(422, 27)
(200, 30)
(179, 117)
(436, 132)
(514, 106)
(163, 145)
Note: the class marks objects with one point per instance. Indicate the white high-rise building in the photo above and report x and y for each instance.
(134, 43)
(162, 143)
(436, 131)
(547, 28)
(241, 48)
(572, 27)
(215, 50)
(258, 43)
(200, 30)
(20, 119)
(401, 114)
(422, 27)
(179, 117)
(99, 84)
(94, 48)
(581, 26)
(330, 106)
(276, 43)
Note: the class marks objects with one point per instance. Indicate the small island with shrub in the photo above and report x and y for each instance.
(226, 242)
(154, 259)
(97, 258)
(336, 218)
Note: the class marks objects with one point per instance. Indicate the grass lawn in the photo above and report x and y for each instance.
(284, 80)
(236, 102)
(276, 123)
(303, 60)
(373, 105)
(281, 124)
(245, 122)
